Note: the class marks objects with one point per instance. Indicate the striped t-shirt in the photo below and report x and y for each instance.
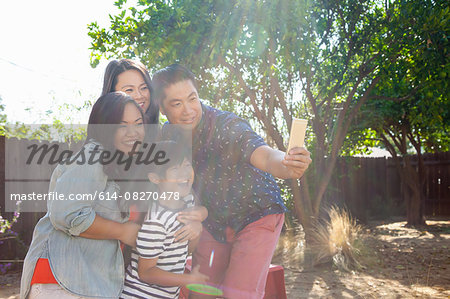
(156, 240)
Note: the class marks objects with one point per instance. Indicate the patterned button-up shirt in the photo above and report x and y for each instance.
(234, 192)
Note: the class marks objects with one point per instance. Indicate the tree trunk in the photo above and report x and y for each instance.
(303, 205)
(414, 210)
(310, 244)
(412, 178)
(414, 202)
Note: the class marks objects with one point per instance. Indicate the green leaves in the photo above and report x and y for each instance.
(269, 61)
(413, 86)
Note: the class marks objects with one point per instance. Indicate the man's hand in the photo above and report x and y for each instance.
(191, 230)
(198, 213)
(297, 161)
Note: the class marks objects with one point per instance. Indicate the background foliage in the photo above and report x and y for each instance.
(347, 66)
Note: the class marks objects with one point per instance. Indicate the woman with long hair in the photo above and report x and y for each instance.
(132, 77)
(75, 251)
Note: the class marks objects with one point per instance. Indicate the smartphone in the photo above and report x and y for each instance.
(298, 130)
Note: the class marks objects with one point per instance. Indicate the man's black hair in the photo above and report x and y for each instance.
(167, 76)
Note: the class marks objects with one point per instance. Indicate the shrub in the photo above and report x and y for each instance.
(335, 240)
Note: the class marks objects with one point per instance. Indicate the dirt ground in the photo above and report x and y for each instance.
(396, 262)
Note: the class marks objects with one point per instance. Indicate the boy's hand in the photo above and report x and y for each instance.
(297, 161)
(190, 231)
(196, 277)
(198, 213)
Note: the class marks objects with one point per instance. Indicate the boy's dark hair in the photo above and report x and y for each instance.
(167, 76)
(175, 153)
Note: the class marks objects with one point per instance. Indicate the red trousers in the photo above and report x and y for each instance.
(240, 266)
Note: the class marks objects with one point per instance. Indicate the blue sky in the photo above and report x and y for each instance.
(44, 57)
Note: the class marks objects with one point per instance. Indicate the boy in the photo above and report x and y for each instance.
(157, 264)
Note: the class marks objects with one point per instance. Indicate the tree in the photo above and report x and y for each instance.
(268, 61)
(414, 119)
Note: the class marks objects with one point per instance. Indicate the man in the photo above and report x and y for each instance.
(234, 170)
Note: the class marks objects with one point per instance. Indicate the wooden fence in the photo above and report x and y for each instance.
(29, 178)
(369, 187)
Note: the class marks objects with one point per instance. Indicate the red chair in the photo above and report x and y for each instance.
(275, 288)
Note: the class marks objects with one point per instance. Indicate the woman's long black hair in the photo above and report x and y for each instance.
(117, 67)
(106, 115)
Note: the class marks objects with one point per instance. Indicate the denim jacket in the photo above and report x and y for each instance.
(85, 267)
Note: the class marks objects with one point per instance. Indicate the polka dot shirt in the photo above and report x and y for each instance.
(234, 192)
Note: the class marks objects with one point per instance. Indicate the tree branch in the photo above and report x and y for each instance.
(398, 143)
(274, 134)
(342, 128)
(397, 99)
(357, 107)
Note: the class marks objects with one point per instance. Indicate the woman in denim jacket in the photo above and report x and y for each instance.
(75, 251)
